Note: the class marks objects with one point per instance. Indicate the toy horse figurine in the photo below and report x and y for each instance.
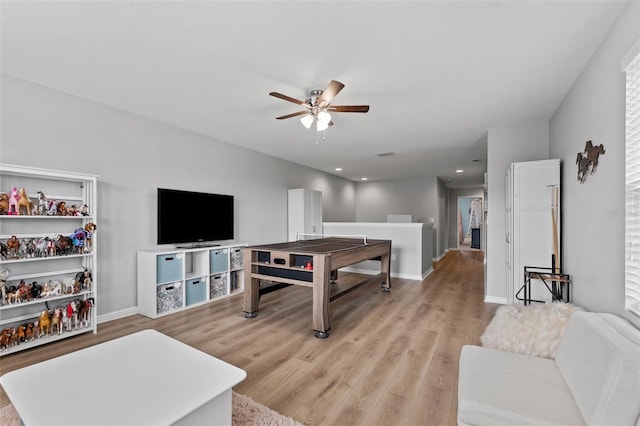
(69, 314)
(78, 239)
(84, 311)
(43, 203)
(13, 247)
(44, 323)
(13, 202)
(4, 203)
(91, 229)
(53, 208)
(4, 274)
(5, 337)
(24, 202)
(83, 279)
(56, 321)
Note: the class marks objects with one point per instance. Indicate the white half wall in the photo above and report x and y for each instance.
(411, 255)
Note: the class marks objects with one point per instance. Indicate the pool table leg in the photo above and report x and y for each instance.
(251, 297)
(385, 269)
(321, 276)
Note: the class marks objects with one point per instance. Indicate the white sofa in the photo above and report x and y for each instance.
(594, 379)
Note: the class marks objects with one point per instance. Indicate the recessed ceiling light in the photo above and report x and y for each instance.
(459, 171)
(363, 179)
(338, 169)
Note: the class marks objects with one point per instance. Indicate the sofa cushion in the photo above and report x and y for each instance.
(529, 330)
(601, 367)
(502, 388)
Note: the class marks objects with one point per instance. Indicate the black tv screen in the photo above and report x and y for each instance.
(193, 217)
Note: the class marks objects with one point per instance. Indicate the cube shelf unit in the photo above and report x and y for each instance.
(30, 266)
(171, 280)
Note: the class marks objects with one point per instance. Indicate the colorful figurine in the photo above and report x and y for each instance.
(13, 202)
(24, 203)
(43, 203)
(13, 247)
(4, 203)
(4, 274)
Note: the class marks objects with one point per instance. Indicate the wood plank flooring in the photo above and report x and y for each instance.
(390, 359)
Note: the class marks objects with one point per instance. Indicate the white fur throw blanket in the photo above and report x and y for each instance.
(530, 330)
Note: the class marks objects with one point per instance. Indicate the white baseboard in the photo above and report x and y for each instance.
(427, 273)
(498, 300)
(117, 314)
(435, 259)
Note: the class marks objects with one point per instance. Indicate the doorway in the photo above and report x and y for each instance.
(470, 221)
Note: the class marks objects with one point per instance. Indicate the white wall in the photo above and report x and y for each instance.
(506, 145)
(134, 155)
(593, 212)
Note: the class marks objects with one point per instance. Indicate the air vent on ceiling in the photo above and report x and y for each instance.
(386, 154)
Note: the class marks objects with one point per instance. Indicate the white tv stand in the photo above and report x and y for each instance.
(174, 279)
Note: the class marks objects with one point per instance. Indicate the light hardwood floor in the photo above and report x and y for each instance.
(391, 358)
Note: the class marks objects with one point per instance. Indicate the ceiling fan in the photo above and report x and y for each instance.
(318, 106)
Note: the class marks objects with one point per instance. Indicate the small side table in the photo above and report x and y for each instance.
(145, 378)
(558, 284)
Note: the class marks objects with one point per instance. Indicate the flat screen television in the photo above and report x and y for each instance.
(193, 217)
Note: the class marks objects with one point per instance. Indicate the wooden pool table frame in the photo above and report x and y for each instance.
(287, 263)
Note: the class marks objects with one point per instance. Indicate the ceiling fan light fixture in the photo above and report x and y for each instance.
(317, 106)
(322, 125)
(307, 120)
(324, 117)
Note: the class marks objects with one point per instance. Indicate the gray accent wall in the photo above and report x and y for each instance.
(593, 212)
(418, 197)
(506, 145)
(134, 155)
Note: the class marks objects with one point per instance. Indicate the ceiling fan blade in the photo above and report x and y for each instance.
(287, 98)
(295, 114)
(349, 108)
(330, 92)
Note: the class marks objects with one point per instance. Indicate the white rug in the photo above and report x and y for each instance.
(530, 330)
(245, 412)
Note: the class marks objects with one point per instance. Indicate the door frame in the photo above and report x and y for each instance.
(480, 218)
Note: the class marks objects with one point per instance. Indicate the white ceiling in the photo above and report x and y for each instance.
(437, 74)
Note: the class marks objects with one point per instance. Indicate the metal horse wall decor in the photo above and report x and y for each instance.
(587, 160)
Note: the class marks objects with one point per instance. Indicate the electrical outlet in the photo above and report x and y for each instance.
(393, 256)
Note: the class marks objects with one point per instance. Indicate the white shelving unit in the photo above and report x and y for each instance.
(171, 280)
(28, 267)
